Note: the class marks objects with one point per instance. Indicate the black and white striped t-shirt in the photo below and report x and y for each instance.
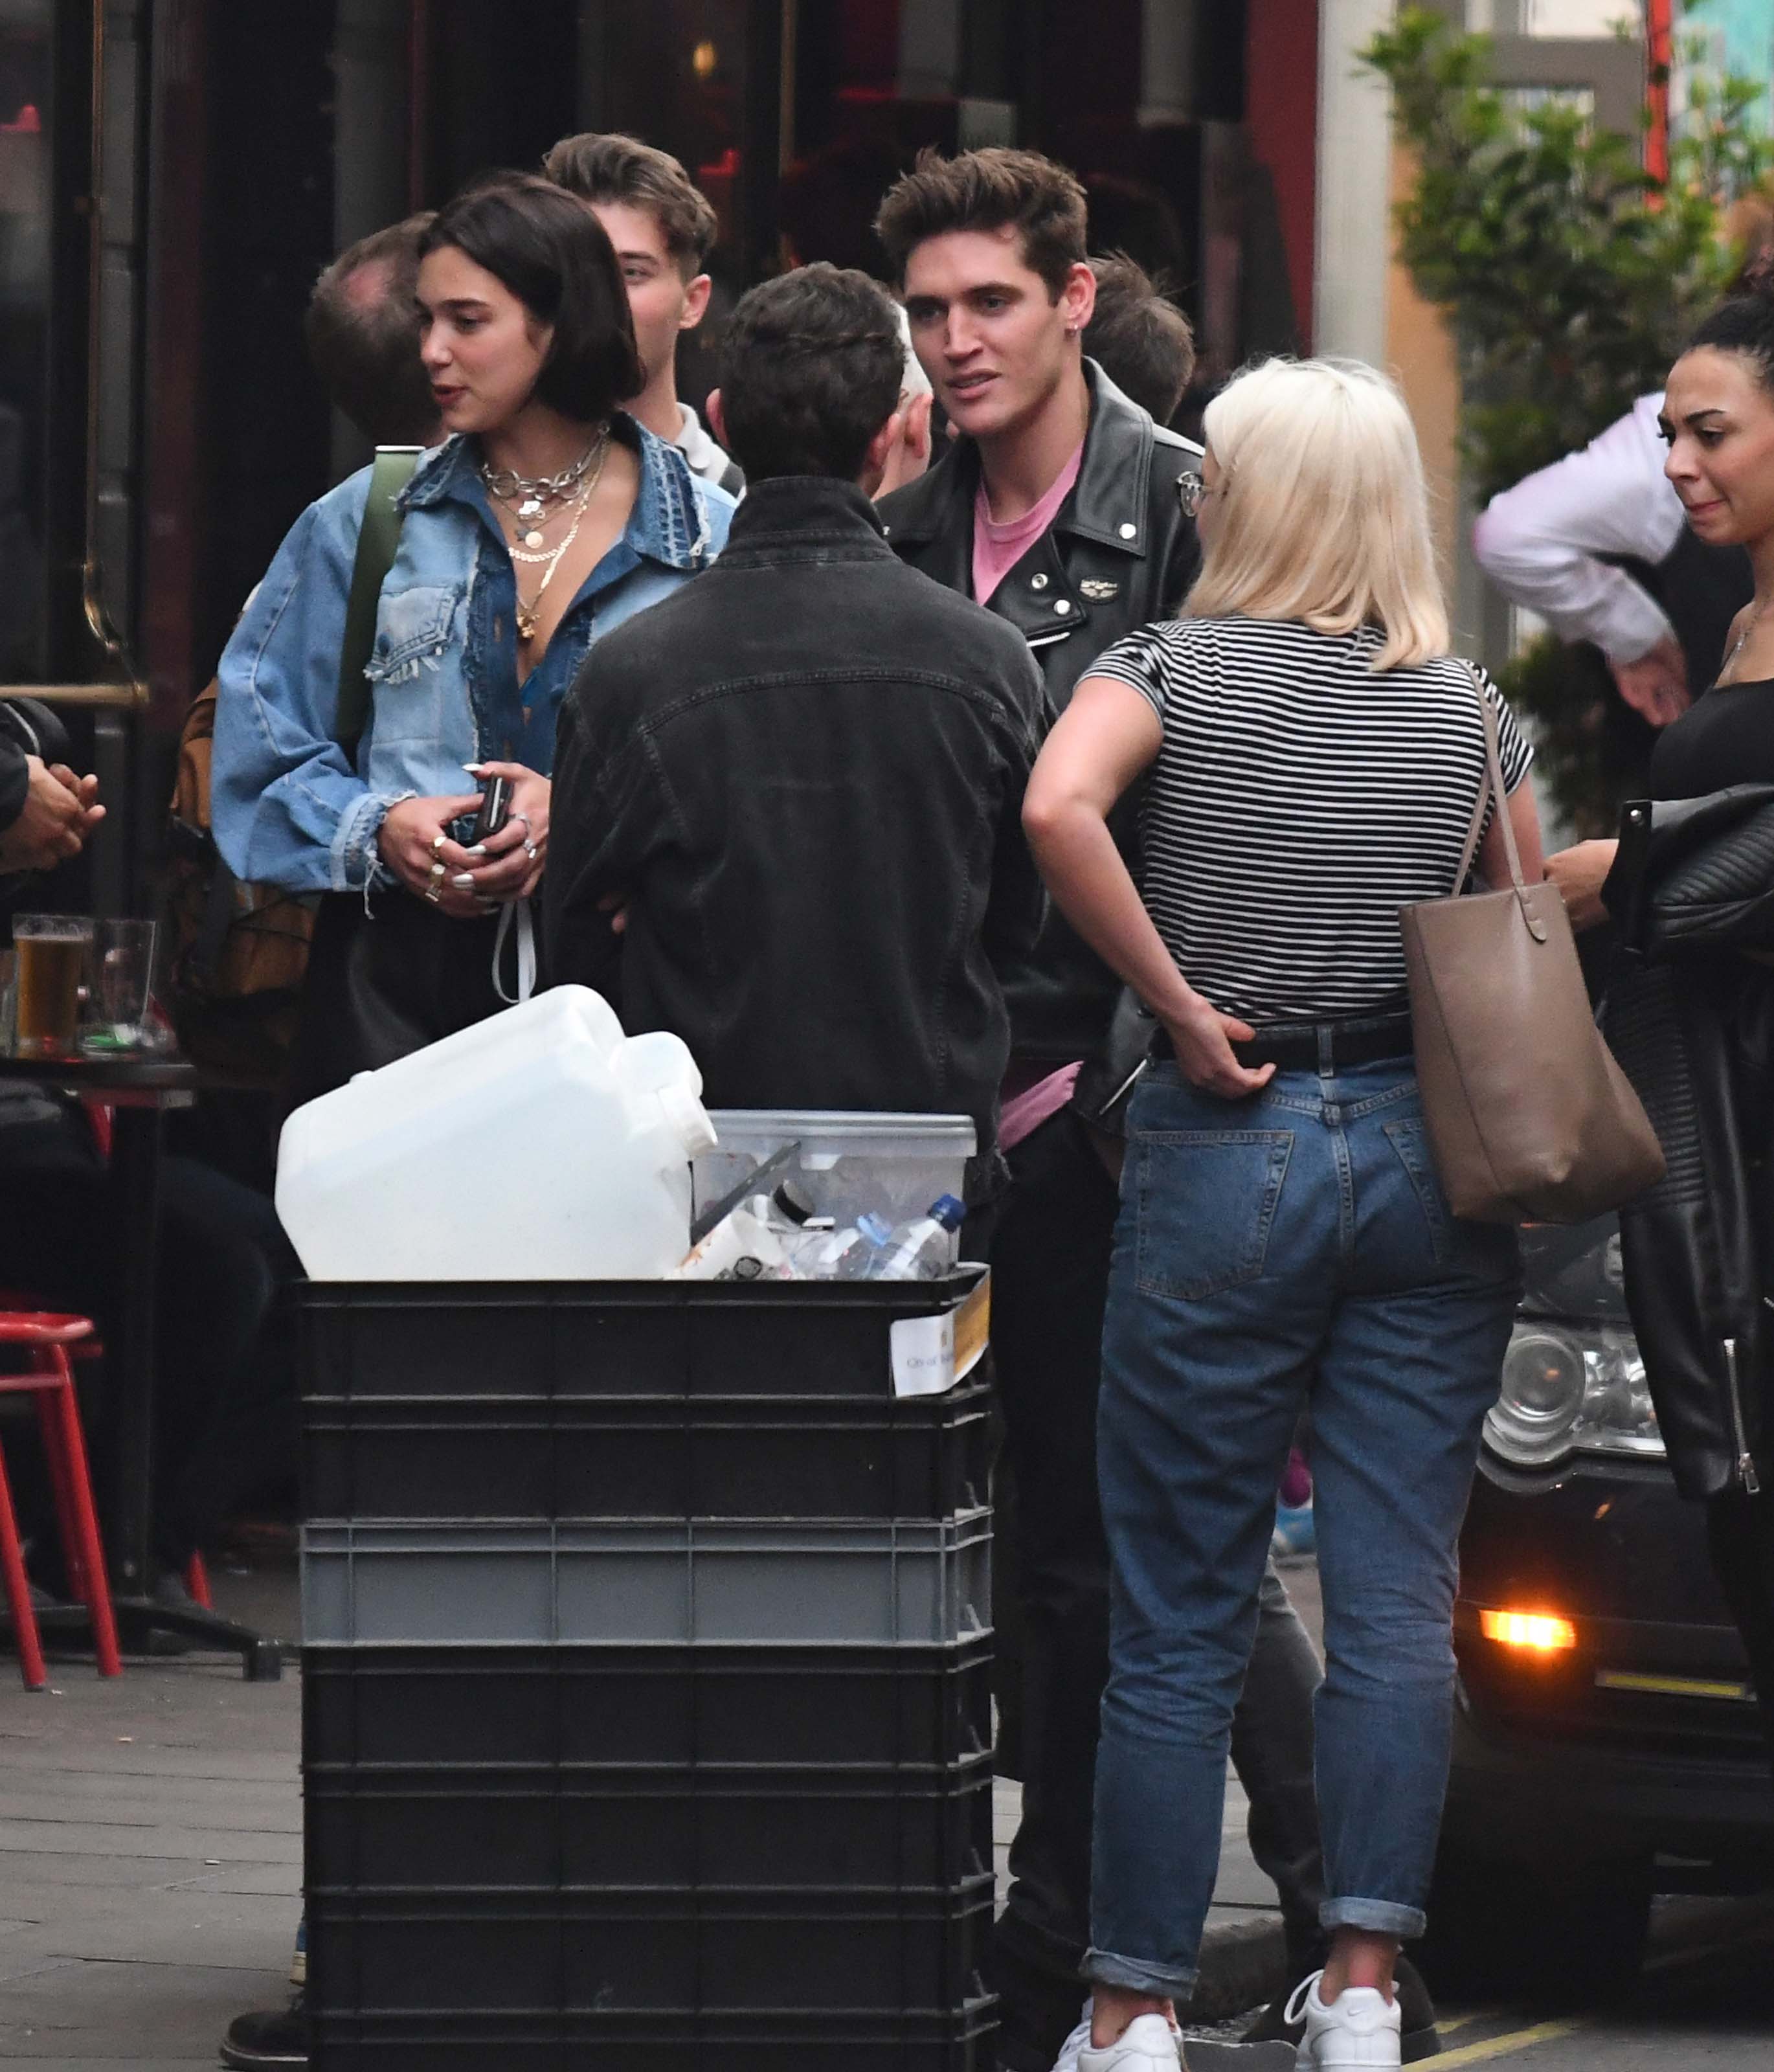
(1299, 799)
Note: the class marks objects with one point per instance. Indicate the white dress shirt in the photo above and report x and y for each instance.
(1539, 541)
(707, 459)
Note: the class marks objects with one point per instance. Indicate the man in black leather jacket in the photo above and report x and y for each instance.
(989, 249)
(1119, 552)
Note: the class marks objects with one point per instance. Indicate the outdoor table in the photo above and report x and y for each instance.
(139, 1088)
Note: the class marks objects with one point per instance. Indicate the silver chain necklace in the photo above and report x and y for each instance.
(1755, 619)
(529, 493)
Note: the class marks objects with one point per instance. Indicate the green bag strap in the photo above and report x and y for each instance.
(377, 542)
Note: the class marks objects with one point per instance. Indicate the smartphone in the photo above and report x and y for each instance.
(495, 809)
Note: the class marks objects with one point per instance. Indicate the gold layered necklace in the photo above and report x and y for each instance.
(527, 500)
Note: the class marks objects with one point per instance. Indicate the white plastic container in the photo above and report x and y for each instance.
(541, 1144)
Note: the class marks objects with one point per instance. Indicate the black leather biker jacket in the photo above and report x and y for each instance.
(1119, 554)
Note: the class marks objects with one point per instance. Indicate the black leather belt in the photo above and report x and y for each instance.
(1318, 1046)
(1315, 1046)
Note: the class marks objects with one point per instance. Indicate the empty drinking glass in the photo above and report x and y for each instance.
(122, 980)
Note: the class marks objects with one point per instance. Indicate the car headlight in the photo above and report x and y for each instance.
(1571, 1390)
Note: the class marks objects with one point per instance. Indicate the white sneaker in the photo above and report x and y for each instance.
(1148, 2044)
(1080, 2036)
(1358, 2032)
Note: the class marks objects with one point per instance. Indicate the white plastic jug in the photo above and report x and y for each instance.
(541, 1144)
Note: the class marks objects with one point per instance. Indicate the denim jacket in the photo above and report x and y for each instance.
(288, 808)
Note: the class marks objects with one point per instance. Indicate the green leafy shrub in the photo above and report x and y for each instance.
(1592, 748)
(1570, 276)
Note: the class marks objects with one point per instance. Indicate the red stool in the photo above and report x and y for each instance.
(46, 1336)
(92, 1348)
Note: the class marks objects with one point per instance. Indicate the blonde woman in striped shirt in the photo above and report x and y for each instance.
(1310, 754)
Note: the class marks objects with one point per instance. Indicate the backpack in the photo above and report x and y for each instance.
(237, 954)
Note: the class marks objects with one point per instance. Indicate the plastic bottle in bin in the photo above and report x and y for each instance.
(925, 1249)
(854, 1253)
(817, 1234)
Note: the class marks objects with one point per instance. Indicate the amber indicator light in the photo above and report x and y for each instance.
(1539, 1633)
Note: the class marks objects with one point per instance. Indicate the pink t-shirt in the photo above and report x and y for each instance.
(1026, 1105)
(997, 548)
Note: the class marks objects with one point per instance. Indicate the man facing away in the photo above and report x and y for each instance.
(663, 229)
(362, 331)
(1138, 337)
(802, 776)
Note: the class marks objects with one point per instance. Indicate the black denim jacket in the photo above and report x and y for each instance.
(15, 779)
(805, 771)
(1119, 553)
(26, 729)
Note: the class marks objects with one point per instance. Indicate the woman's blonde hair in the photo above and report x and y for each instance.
(1323, 514)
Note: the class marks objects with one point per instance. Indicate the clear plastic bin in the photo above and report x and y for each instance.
(894, 1164)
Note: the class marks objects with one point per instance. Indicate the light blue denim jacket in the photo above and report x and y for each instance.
(288, 808)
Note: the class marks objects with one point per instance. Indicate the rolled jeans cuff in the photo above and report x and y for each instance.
(1168, 1982)
(1379, 1917)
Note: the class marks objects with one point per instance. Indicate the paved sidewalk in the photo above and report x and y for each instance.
(150, 1856)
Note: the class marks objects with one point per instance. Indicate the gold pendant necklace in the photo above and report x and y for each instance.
(525, 615)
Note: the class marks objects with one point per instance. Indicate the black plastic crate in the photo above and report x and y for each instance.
(662, 1338)
(765, 1582)
(517, 1456)
(946, 2042)
(670, 1828)
(408, 1707)
(695, 1953)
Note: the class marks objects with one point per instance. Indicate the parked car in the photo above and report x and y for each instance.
(1607, 1745)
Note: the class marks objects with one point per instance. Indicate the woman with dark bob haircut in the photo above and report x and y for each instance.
(526, 232)
(546, 515)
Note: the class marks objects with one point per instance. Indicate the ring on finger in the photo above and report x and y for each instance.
(436, 872)
(525, 819)
(529, 850)
(433, 894)
(437, 841)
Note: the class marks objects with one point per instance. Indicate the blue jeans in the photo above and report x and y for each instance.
(1293, 1248)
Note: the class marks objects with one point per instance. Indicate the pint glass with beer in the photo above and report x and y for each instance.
(52, 950)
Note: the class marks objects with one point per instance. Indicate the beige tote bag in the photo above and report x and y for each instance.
(1528, 1116)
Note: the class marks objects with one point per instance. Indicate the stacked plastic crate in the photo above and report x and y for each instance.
(646, 1714)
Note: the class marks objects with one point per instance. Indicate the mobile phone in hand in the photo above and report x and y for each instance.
(495, 809)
